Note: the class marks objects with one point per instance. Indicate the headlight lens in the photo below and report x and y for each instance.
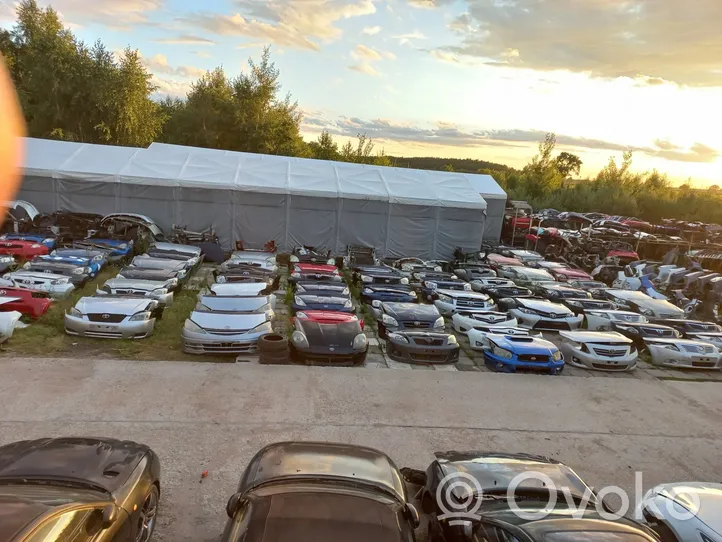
(140, 316)
(446, 298)
(366, 278)
(265, 326)
(331, 261)
(345, 291)
(173, 282)
(348, 304)
(388, 320)
(221, 279)
(412, 293)
(48, 241)
(526, 311)
(360, 342)
(451, 339)
(79, 271)
(123, 246)
(501, 352)
(404, 281)
(574, 303)
(190, 325)
(59, 281)
(467, 287)
(75, 312)
(299, 340)
(366, 291)
(300, 302)
(160, 291)
(557, 356)
(398, 338)
(669, 347)
(439, 322)
(293, 259)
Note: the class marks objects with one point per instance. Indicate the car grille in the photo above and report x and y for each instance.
(132, 292)
(227, 331)
(415, 325)
(609, 353)
(428, 357)
(223, 348)
(606, 367)
(106, 317)
(316, 276)
(472, 303)
(379, 280)
(552, 315)
(343, 359)
(533, 358)
(104, 334)
(547, 324)
(704, 364)
(428, 341)
(665, 333)
(693, 348)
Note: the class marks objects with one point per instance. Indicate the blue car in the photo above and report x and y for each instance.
(60, 256)
(509, 353)
(320, 301)
(118, 249)
(387, 292)
(428, 288)
(40, 238)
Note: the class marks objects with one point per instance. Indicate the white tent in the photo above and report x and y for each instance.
(257, 197)
(495, 199)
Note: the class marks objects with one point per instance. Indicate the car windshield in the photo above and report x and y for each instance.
(593, 536)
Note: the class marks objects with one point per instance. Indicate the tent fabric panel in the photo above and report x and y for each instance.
(157, 202)
(43, 156)
(312, 221)
(99, 160)
(458, 228)
(198, 208)
(259, 218)
(84, 196)
(411, 231)
(486, 186)
(362, 222)
(494, 219)
(40, 191)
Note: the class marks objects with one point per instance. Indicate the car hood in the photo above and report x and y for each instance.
(412, 311)
(322, 299)
(60, 266)
(19, 275)
(709, 496)
(107, 463)
(147, 274)
(524, 344)
(134, 284)
(678, 342)
(67, 259)
(543, 306)
(332, 335)
(173, 247)
(319, 286)
(114, 305)
(649, 331)
(486, 317)
(157, 263)
(228, 322)
(234, 304)
(595, 337)
(466, 294)
(241, 289)
(78, 253)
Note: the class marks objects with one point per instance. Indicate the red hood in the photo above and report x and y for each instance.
(574, 274)
(623, 254)
(22, 248)
(24, 302)
(498, 259)
(315, 268)
(328, 317)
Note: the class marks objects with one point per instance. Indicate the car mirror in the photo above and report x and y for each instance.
(233, 505)
(376, 304)
(413, 515)
(110, 515)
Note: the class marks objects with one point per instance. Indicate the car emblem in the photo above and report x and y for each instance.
(417, 323)
(387, 281)
(47, 271)
(106, 316)
(331, 349)
(27, 281)
(533, 358)
(227, 327)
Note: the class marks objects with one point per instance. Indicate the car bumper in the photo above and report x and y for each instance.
(383, 328)
(503, 365)
(421, 355)
(683, 360)
(208, 343)
(534, 321)
(123, 330)
(577, 358)
(463, 324)
(60, 291)
(322, 356)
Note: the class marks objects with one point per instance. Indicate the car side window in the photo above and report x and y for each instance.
(76, 526)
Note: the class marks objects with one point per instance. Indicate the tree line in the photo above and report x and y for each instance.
(74, 92)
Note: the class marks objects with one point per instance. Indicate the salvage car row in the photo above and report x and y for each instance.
(102, 489)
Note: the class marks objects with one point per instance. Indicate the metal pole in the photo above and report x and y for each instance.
(513, 230)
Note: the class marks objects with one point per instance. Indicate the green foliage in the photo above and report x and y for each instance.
(324, 148)
(568, 163)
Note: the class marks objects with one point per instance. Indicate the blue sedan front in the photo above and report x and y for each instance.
(509, 353)
(387, 292)
(94, 259)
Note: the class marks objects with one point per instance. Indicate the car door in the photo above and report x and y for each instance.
(81, 524)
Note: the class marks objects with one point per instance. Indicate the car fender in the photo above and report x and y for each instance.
(8, 323)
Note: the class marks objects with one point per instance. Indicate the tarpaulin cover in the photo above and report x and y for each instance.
(495, 199)
(257, 197)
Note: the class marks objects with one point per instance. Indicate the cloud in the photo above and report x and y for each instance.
(461, 24)
(298, 24)
(7, 11)
(362, 52)
(170, 87)
(186, 39)
(429, 4)
(158, 64)
(445, 56)
(371, 30)
(697, 153)
(202, 54)
(658, 39)
(365, 68)
(406, 39)
(665, 145)
(117, 14)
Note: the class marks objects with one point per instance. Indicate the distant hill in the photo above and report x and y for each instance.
(460, 165)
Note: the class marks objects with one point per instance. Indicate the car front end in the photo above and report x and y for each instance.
(511, 353)
(394, 317)
(112, 317)
(57, 286)
(684, 354)
(44, 240)
(391, 293)
(25, 250)
(208, 332)
(78, 275)
(137, 288)
(418, 347)
(464, 320)
(602, 320)
(378, 275)
(601, 351)
(118, 249)
(544, 315)
(322, 302)
(450, 301)
(640, 331)
(317, 341)
(583, 304)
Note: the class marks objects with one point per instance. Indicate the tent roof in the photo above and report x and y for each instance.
(174, 165)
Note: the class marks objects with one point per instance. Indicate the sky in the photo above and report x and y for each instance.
(481, 79)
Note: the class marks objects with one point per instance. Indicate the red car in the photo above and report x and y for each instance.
(625, 256)
(564, 274)
(34, 304)
(327, 317)
(495, 260)
(25, 250)
(316, 268)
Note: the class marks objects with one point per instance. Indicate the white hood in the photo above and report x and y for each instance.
(709, 496)
(595, 337)
(112, 305)
(543, 306)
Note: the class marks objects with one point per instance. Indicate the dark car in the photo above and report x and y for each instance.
(469, 273)
(78, 274)
(640, 331)
(377, 274)
(168, 276)
(559, 292)
(328, 337)
(694, 329)
(422, 347)
(391, 292)
(501, 292)
(79, 489)
(456, 482)
(322, 301)
(581, 304)
(407, 317)
(320, 492)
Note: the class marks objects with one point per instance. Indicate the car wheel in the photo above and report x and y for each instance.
(147, 516)
(273, 342)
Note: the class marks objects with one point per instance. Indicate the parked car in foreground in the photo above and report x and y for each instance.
(601, 351)
(113, 317)
(535, 313)
(211, 332)
(328, 338)
(422, 347)
(236, 304)
(510, 353)
(684, 353)
(79, 489)
(464, 320)
(320, 491)
(56, 286)
(391, 317)
(26, 302)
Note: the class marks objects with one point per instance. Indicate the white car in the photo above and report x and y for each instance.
(143, 288)
(262, 260)
(450, 301)
(528, 277)
(600, 351)
(479, 337)
(601, 320)
(684, 511)
(57, 286)
(464, 320)
(492, 282)
(684, 353)
(535, 313)
(240, 289)
(8, 320)
(643, 304)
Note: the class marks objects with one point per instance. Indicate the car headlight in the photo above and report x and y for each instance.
(27, 265)
(360, 342)
(293, 259)
(574, 303)
(265, 326)
(345, 291)
(412, 293)
(398, 338)
(439, 322)
(190, 325)
(299, 340)
(668, 346)
(221, 279)
(348, 304)
(59, 281)
(525, 310)
(122, 246)
(366, 291)
(446, 298)
(451, 339)
(388, 320)
(80, 271)
(366, 278)
(140, 316)
(48, 241)
(501, 352)
(173, 282)
(7, 259)
(405, 281)
(331, 261)
(438, 269)
(36, 245)
(467, 287)
(295, 274)
(300, 302)
(75, 312)
(97, 258)
(159, 291)
(557, 356)
(600, 315)
(646, 312)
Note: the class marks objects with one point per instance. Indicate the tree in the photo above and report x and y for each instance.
(541, 174)
(360, 153)
(449, 168)
(568, 163)
(324, 148)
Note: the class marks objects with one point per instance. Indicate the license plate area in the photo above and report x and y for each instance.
(100, 327)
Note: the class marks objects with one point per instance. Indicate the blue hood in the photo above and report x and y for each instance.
(520, 344)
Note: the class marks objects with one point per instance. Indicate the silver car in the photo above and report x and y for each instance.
(112, 317)
(137, 288)
(148, 262)
(234, 304)
(57, 286)
(174, 251)
(224, 333)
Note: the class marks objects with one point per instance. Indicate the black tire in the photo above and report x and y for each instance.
(273, 358)
(148, 515)
(273, 342)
